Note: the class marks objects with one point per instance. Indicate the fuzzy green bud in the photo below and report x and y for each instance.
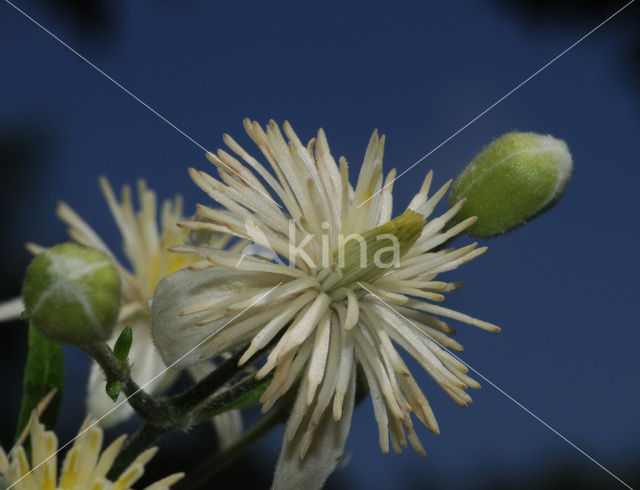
(512, 180)
(72, 294)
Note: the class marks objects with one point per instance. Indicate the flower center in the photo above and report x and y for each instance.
(365, 257)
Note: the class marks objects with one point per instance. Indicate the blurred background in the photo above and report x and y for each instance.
(563, 287)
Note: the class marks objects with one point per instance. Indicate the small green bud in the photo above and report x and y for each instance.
(512, 180)
(123, 344)
(113, 389)
(72, 294)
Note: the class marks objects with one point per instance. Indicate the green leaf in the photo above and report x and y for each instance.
(123, 344)
(43, 372)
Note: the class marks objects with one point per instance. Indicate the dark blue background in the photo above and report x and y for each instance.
(564, 288)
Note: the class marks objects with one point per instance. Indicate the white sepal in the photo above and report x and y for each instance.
(11, 309)
(323, 455)
(179, 338)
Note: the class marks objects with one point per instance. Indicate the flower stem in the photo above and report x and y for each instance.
(209, 384)
(225, 400)
(115, 370)
(218, 461)
(176, 413)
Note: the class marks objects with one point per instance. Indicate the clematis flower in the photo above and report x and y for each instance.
(346, 285)
(84, 466)
(145, 245)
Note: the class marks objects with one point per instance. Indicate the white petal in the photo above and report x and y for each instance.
(323, 455)
(386, 198)
(179, 339)
(229, 427)
(353, 310)
(4, 462)
(316, 368)
(11, 309)
(166, 482)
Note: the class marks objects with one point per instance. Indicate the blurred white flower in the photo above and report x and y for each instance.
(323, 311)
(11, 309)
(85, 466)
(145, 245)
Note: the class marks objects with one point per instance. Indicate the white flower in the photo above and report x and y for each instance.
(334, 306)
(84, 467)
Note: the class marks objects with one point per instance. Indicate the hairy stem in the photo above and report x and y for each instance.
(211, 383)
(224, 400)
(218, 461)
(177, 413)
(144, 404)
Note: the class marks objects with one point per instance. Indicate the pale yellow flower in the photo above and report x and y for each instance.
(85, 466)
(144, 241)
(146, 238)
(144, 244)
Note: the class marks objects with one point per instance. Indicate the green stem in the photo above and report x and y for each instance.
(224, 401)
(218, 461)
(185, 409)
(142, 440)
(211, 383)
(143, 403)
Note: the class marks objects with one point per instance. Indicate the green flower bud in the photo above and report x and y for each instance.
(72, 294)
(513, 179)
